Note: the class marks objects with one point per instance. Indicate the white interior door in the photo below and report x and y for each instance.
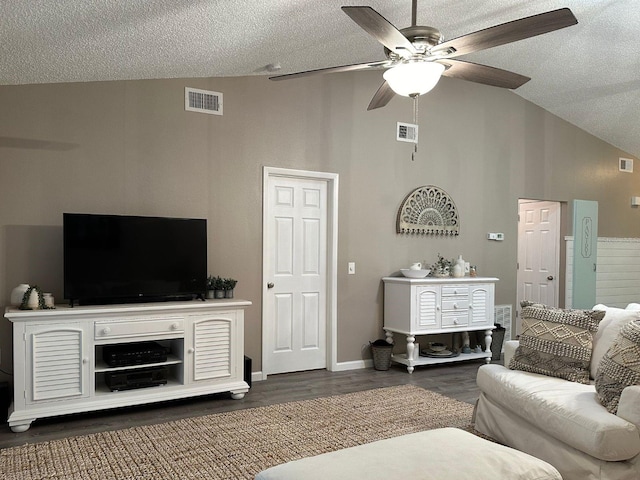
(295, 300)
(538, 253)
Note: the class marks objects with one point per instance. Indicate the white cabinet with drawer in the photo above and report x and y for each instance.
(59, 364)
(432, 306)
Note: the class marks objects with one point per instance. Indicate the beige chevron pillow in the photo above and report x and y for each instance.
(620, 366)
(556, 342)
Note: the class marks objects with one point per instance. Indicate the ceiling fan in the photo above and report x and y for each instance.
(417, 56)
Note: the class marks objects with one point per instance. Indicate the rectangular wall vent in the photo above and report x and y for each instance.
(407, 132)
(503, 315)
(625, 165)
(202, 101)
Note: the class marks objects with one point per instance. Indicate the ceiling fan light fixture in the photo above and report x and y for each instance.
(413, 78)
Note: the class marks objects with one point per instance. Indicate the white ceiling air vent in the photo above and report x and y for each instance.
(202, 101)
(625, 165)
(407, 132)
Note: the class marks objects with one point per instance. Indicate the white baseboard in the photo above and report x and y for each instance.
(340, 367)
(353, 365)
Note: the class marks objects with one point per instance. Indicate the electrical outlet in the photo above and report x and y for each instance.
(352, 268)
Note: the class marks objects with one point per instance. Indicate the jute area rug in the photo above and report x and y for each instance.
(238, 444)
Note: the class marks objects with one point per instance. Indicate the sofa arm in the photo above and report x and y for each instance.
(509, 351)
(629, 405)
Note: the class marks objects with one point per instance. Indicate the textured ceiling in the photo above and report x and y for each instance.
(588, 74)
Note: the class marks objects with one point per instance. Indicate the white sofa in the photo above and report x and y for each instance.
(562, 422)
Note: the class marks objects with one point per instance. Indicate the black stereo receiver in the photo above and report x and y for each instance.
(139, 378)
(138, 353)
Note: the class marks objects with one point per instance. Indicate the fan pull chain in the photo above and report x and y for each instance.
(415, 122)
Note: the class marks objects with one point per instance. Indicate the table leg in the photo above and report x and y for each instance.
(388, 336)
(410, 348)
(488, 336)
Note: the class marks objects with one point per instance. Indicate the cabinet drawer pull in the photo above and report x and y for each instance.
(106, 331)
(191, 350)
(85, 360)
(455, 306)
(174, 326)
(455, 322)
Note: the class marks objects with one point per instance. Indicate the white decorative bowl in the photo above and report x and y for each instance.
(407, 272)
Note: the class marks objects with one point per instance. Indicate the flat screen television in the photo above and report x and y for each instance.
(122, 259)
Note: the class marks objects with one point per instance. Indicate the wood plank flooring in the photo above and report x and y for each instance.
(453, 380)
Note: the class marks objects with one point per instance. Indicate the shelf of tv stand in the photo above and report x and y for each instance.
(102, 367)
(102, 391)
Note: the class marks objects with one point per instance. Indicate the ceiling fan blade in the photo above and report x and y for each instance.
(343, 68)
(508, 32)
(381, 29)
(382, 96)
(484, 74)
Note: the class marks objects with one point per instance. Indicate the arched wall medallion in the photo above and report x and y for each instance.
(428, 210)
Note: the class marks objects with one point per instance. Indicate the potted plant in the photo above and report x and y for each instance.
(218, 287)
(442, 268)
(229, 285)
(210, 286)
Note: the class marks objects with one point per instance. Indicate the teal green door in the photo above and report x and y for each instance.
(585, 253)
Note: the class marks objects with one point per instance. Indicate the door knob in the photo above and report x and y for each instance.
(270, 285)
(550, 277)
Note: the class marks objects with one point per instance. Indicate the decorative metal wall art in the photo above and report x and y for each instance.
(428, 210)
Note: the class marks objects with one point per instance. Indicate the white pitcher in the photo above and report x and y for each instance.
(416, 266)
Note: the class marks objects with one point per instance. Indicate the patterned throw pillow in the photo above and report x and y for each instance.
(620, 366)
(556, 342)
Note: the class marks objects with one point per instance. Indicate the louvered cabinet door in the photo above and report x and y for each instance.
(213, 347)
(58, 363)
(428, 310)
(481, 305)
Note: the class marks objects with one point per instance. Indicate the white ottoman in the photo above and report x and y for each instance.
(446, 453)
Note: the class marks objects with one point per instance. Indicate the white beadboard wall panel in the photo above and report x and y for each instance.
(618, 275)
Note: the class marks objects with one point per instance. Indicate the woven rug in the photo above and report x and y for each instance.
(238, 444)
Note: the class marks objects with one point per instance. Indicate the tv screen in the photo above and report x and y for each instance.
(120, 259)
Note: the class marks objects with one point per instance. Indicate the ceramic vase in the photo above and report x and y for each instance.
(17, 294)
(458, 268)
(49, 301)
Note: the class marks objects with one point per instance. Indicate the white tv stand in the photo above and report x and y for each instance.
(57, 355)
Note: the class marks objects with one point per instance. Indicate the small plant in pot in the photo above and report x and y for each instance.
(442, 268)
(218, 287)
(210, 286)
(229, 285)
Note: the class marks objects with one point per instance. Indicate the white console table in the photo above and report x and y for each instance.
(432, 306)
(57, 355)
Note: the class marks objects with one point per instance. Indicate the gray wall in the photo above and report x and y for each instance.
(130, 148)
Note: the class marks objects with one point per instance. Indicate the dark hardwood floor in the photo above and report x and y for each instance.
(453, 380)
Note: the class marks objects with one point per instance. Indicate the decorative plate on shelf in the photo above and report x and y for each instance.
(425, 352)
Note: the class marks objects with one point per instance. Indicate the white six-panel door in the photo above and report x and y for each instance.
(294, 327)
(538, 253)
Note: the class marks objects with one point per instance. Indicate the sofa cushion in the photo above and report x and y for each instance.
(568, 411)
(620, 366)
(608, 329)
(556, 342)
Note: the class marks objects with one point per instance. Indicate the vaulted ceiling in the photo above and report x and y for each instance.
(587, 74)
